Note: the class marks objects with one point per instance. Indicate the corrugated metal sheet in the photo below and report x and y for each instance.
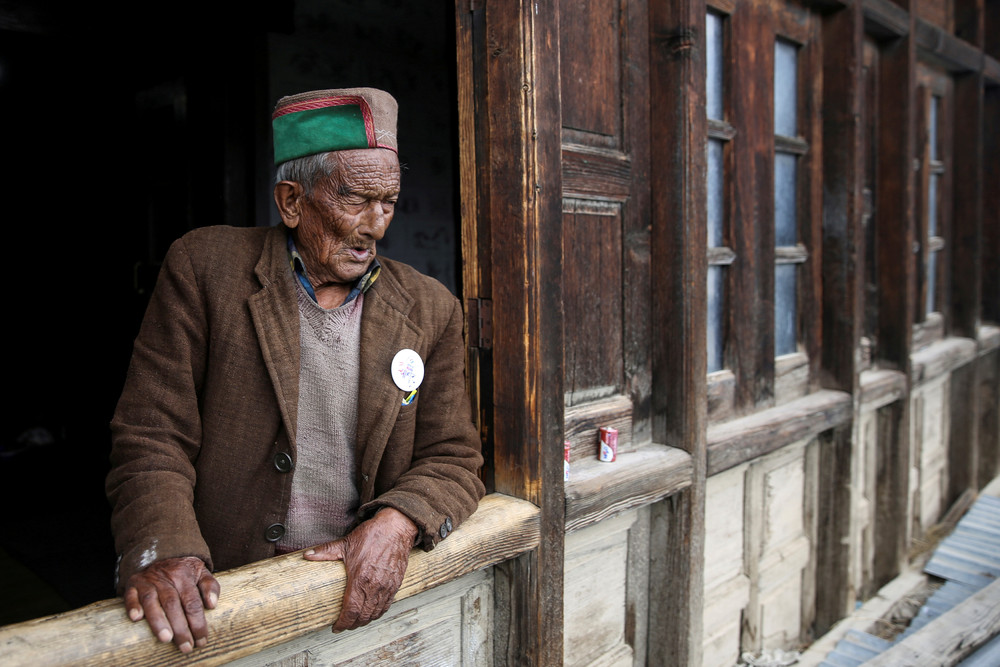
(968, 560)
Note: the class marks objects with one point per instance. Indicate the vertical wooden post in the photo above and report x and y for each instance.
(967, 217)
(991, 204)
(843, 179)
(895, 235)
(520, 104)
(677, 185)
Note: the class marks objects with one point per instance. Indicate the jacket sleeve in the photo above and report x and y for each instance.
(441, 488)
(156, 428)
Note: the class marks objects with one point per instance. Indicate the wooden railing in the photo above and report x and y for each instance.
(266, 603)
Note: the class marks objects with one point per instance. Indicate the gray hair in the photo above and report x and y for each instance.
(307, 171)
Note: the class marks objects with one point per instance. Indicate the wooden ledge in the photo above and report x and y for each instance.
(988, 338)
(940, 358)
(744, 439)
(880, 387)
(266, 603)
(597, 490)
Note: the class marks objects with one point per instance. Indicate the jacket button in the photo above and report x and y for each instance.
(274, 532)
(283, 462)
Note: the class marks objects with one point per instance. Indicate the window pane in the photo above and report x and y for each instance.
(933, 129)
(716, 294)
(784, 199)
(784, 309)
(716, 201)
(932, 192)
(713, 66)
(931, 281)
(785, 88)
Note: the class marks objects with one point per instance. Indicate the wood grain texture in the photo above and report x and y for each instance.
(266, 603)
(940, 358)
(948, 639)
(679, 287)
(965, 298)
(744, 439)
(881, 387)
(886, 18)
(521, 104)
(894, 197)
(843, 173)
(598, 490)
(941, 47)
(584, 421)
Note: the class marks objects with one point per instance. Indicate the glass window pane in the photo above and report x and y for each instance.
(716, 298)
(713, 66)
(933, 128)
(931, 282)
(784, 199)
(785, 318)
(932, 193)
(716, 201)
(785, 88)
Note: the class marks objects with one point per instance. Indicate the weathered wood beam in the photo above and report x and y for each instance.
(952, 53)
(833, 522)
(745, 439)
(951, 637)
(881, 387)
(843, 175)
(597, 490)
(886, 19)
(266, 603)
(941, 358)
(991, 202)
(521, 103)
(679, 286)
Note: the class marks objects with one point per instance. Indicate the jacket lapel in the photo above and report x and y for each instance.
(274, 310)
(385, 330)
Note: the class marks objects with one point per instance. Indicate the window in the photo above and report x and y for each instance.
(788, 252)
(719, 135)
(934, 94)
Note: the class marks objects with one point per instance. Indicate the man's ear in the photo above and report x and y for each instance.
(288, 197)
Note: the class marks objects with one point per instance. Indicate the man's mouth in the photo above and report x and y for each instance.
(360, 253)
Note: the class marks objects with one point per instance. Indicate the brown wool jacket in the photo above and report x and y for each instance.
(205, 427)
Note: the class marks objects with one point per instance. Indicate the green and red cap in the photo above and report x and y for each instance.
(341, 119)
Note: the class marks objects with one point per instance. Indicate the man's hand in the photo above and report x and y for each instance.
(375, 555)
(172, 594)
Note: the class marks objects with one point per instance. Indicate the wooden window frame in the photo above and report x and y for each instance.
(933, 250)
(721, 130)
(752, 377)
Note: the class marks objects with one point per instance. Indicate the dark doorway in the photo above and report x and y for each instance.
(124, 127)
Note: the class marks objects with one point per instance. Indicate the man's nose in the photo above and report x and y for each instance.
(374, 220)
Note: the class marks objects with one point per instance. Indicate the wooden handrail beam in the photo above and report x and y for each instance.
(266, 603)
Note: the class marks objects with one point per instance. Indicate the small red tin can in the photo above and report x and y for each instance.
(609, 444)
(566, 446)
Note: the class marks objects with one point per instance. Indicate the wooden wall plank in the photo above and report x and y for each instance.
(843, 173)
(522, 106)
(677, 184)
(966, 239)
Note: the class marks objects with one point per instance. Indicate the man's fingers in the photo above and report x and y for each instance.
(152, 608)
(209, 587)
(326, 551)
(132, 605)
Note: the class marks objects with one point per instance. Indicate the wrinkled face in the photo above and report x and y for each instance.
(346, 214)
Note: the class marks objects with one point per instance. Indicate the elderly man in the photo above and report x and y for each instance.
(290, 391)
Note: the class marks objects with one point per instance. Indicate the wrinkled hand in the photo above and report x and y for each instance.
(375, 555)
(172, 594)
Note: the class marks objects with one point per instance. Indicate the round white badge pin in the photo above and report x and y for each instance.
(407, 370)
